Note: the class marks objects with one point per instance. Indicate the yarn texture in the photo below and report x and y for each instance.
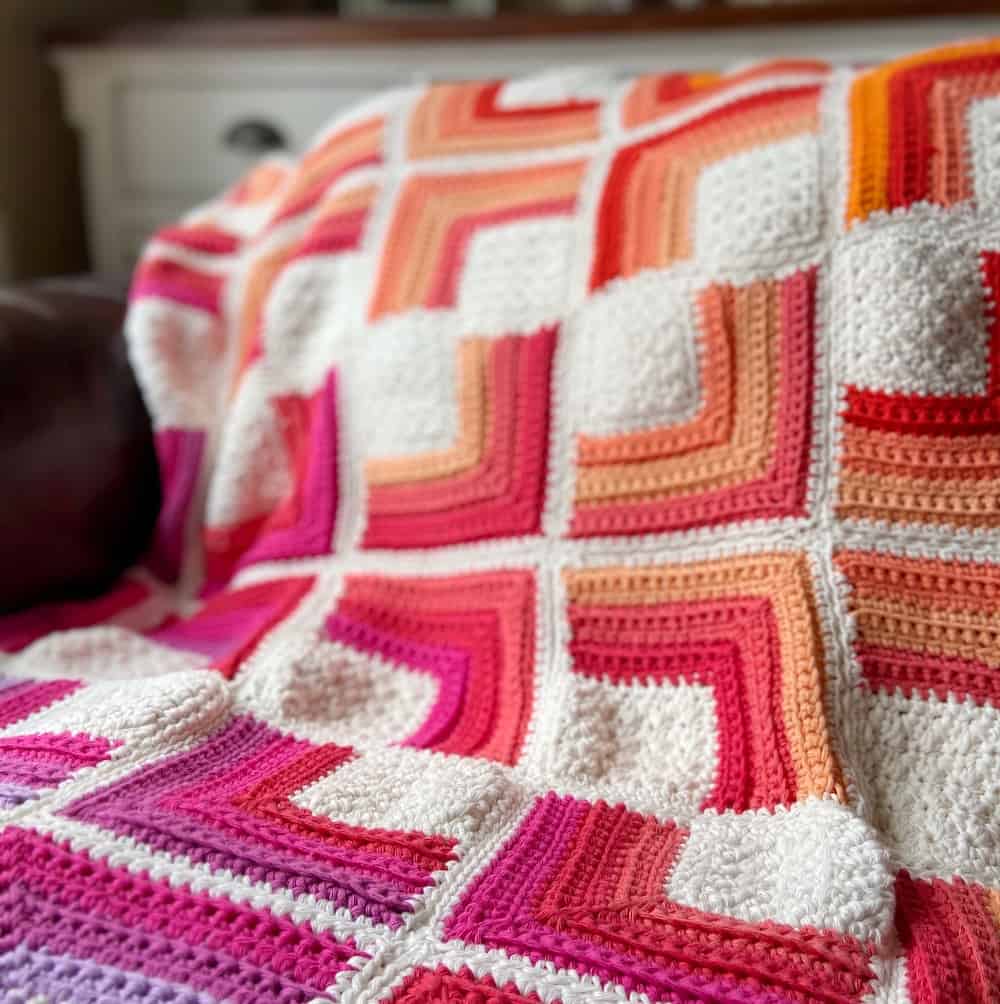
(578, 575)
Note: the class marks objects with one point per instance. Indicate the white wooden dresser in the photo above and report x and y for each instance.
(165, 124)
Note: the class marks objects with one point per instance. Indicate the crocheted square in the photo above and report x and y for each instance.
(742, 630)
(920, 416)
(442, 214)
(587, 887)
(649, 208)
(745, 451)
(473, 635)
(490, 480)
(912, 136)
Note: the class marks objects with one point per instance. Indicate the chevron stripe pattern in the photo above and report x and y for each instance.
(473, 634)
(227, 803)
(709, 624)
(443, 212)
(470, 118)
(646, 211)
(589, 906)
(491, 481)
(744, 454)
(913, 123)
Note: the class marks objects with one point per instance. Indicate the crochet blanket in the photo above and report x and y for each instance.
(578, 578)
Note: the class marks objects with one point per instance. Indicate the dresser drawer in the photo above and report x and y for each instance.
(172, 138)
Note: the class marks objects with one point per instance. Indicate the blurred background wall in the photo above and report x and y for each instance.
(41, 222)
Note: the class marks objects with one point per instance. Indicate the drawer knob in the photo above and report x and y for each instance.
(254, 136)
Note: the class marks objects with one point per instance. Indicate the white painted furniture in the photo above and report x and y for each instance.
(164, 127)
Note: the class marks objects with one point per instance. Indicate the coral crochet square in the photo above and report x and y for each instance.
(744, 452)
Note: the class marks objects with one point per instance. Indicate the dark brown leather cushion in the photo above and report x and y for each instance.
(79, 491)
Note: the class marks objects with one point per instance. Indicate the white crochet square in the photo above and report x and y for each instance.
(153, 711)
(179, 357)
(406, 375)
(984, 138)
(108, 652)
(635, 357)
(331, 693)
(651, 746)
(252, 472)
(305, 322)
(929, 770)
(515, 277)
(412, 790)
(910, 312)
(813, 863)
(759, 201)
